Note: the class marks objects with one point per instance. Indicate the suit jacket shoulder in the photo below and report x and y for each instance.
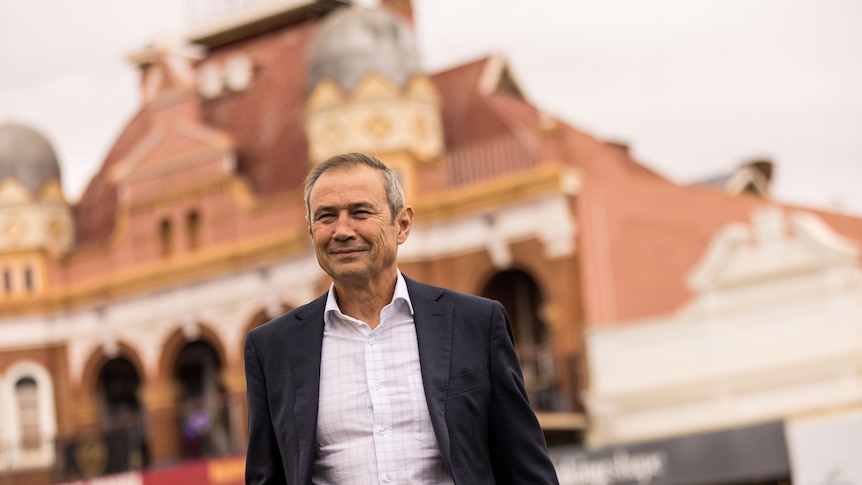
(285, 321)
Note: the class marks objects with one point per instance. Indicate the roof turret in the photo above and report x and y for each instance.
(27, 156)
(354, 41)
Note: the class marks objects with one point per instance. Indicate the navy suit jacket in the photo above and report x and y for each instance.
(485, 428)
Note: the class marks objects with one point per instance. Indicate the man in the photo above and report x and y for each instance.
(384, 379)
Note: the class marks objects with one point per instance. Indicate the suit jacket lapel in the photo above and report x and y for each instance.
(433, 319)
(304, 343)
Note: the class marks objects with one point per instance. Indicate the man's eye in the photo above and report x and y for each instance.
(362, 213)
(325, 218)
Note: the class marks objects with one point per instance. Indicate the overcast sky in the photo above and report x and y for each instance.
(695, 87)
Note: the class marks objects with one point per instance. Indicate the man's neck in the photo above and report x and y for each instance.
(364, 301)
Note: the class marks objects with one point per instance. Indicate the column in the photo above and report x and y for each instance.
(163, 426)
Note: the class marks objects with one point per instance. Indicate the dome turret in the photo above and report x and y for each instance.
(368, 94)
(34, 215)
(354, 41)
(27, 156)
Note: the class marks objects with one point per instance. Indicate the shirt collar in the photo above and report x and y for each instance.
(401, 294)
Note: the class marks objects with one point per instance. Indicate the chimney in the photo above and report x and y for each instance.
(401, 8)
(764, 166)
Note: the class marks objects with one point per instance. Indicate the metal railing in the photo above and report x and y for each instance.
(117, 448)
(505, 155)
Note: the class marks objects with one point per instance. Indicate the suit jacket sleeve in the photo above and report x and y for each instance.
(517, 446)
(263, 460)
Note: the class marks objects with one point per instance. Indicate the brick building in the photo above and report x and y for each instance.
(123, 314)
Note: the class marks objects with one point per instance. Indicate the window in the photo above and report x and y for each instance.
(27, 401)
(28, 432)
(193, 225)
(166, 237)
(7, 281)
(28, 279)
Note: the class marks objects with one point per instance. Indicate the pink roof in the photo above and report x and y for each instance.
(642, 237)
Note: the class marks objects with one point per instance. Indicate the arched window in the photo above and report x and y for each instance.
(28, 425)
(27, 402)
(166, 237)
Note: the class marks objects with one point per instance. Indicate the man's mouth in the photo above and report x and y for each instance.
(347, 252)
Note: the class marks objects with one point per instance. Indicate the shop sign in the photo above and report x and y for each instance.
(621, 467)
(727, 456)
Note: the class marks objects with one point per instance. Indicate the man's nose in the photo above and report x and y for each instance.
(344, 227)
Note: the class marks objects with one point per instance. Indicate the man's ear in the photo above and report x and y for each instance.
(404, 222)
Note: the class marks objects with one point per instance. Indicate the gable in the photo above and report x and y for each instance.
(775, 246)
(169, 147)
(497, 77)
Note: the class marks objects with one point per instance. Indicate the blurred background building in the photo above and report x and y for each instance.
(668, 333)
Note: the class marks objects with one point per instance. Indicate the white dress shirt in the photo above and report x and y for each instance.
(373, 424)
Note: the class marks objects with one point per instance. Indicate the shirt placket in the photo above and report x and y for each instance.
(381, 407)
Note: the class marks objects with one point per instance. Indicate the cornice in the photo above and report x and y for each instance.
(292, 239)
(546, 179)
(171, 272)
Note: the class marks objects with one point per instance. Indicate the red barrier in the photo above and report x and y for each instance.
(229, 470)
(218, 471)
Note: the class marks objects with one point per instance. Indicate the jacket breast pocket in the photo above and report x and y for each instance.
(467, 382)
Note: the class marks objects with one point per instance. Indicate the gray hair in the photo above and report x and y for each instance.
(392, 184)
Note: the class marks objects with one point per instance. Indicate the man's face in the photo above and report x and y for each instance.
(354, 235)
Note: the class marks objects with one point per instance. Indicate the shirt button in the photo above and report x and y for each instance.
(381, 430)
(387, 479)
(376, 386)
(371, 341)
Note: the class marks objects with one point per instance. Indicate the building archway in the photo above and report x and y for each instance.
(118, 441)
(524, 301)
(118, 388)
(202, 401)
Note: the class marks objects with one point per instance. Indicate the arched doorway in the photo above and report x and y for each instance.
(521, 296)
(121, 415)
(203, 405)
